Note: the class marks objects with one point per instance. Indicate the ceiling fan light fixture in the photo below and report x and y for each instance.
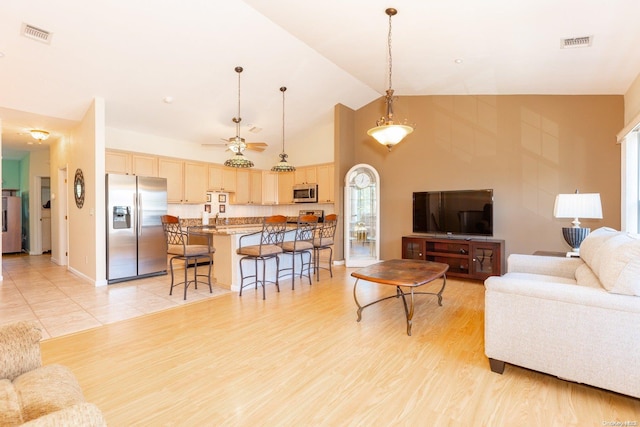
(39, 134)
(282, 165)
(386, 132)
(238, 161)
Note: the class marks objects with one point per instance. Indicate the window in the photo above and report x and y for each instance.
(631, 182)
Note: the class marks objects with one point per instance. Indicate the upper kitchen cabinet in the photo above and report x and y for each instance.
(326, 183)
(195, 182)
(270, 188)
(222, 178)
(186, 181)
(173, 170)
(285, 187)
(305, 175)
(128, 163)
(248, 187)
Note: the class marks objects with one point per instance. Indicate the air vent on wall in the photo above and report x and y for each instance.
(35, 33)
(584, 41)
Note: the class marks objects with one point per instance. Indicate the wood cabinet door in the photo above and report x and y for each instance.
(117, 162)
(243, 187)
(143, 165)
(413, 248)
(173, 170)
(195, 182)
(285, 188)
(228, 179)
(306, 175)
(256, 187)
(269, 188)
(326, 184)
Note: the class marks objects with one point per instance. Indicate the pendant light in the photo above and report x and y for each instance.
(386, 131)
(238, 144)
(282, 165)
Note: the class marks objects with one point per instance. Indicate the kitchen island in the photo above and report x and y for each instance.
(226, 262)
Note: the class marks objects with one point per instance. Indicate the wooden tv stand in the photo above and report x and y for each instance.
(469, 258)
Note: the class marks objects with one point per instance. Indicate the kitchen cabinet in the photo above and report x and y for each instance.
(173, 170)
(195, 182)
(306, 175)
(269, 188)
(222, 178)
(326, 183)
(186, 181)
(285, 187)
(248, 187)
(117, 162)
(127, 163)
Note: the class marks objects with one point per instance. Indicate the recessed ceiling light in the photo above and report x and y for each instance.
(458, 60)
(168, 99)
(1, 54)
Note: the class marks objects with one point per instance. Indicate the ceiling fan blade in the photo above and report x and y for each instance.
(256, 146)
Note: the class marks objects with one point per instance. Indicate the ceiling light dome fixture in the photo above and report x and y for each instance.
(386, 131)
(238, 144)
(282, 165)
(39, 134)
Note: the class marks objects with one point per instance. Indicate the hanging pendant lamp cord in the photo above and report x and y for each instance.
(283, 89)
(390, 58)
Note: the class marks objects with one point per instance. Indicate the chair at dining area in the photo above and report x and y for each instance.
(269, 247)
(302, 244)
(322, 241)
(178, 248)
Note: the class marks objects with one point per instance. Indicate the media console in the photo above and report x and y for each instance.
(469, 258)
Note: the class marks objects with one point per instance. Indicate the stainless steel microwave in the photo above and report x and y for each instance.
(305, 193)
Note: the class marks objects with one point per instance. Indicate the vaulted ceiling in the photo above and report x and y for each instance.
(135, 54)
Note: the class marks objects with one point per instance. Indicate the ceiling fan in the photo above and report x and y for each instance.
(237, 144)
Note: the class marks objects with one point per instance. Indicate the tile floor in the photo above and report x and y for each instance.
(34, 288)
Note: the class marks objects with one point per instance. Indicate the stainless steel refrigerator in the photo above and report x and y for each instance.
(135, 240)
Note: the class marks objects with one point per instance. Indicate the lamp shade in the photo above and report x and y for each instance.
(578, 205)
(390, 134)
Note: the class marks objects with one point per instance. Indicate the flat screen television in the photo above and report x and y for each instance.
(465, 212)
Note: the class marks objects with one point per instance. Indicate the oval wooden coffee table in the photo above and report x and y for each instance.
(402, 273)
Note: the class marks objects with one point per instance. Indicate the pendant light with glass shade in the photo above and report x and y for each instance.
(238, 144)
(282, 165)
(387, 132)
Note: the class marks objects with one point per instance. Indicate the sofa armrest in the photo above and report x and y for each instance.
(546, 265)
(19, 349)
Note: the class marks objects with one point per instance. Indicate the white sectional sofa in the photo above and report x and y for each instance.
(575, 318)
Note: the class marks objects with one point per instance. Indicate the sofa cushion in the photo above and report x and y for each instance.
(10, 414)
(47, 389)
(586, 277)
(592, 245)
(620, 267)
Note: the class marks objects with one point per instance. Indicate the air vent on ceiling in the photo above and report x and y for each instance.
(35, 33)
(584, 41)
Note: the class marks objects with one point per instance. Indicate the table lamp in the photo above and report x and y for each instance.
(577, 205)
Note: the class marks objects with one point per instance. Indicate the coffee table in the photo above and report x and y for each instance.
(402, 273)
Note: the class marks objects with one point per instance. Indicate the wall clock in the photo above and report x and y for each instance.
(78, 188)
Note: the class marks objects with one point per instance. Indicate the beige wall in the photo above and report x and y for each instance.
(526, 148)
(87, 225)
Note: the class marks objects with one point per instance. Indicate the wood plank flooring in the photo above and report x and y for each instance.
(299, 358)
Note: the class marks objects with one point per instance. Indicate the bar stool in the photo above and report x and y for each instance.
(269, 247)
(179, 248)
(301, 244)
(324, 240)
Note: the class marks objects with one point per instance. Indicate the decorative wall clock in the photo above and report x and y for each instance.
(78, 188)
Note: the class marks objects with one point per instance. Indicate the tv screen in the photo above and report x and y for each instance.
(453, 212)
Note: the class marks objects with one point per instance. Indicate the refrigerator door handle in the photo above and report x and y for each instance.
(139, 214)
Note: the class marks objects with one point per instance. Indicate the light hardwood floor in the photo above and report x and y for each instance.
(301, 359)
